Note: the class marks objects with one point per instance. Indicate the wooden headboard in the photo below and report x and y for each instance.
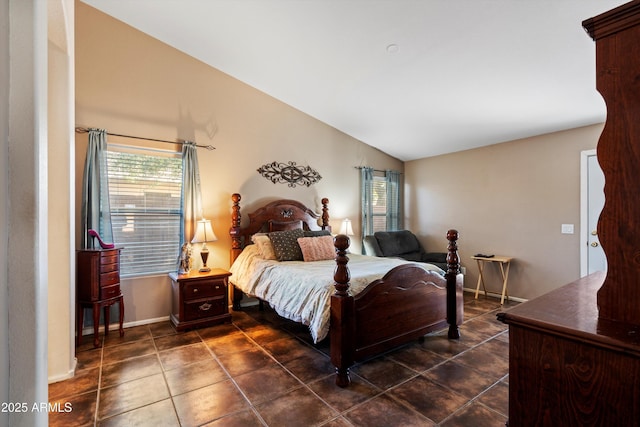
(277, 215)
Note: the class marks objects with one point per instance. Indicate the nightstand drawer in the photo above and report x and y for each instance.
(204, 308)
(204, 288)
(199, 299)
(107, 292)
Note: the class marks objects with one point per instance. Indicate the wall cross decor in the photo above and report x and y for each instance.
(289, 173)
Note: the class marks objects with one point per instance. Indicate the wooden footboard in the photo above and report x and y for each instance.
(407, 303)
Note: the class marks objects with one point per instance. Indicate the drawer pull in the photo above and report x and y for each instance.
(204, 307)
(195, 290)
(217, 286)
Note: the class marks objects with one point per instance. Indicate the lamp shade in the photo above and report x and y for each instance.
(204, 232)
(346, 228)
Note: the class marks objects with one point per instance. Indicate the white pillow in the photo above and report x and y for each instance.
(264, 245)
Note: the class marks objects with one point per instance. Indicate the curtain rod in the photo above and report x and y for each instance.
(208, 147)
(375, 170)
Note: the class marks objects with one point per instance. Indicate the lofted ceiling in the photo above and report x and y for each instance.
(413, 78)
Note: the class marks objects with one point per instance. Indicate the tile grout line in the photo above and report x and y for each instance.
(95, 415)
(339, 414)
(303, 385)
(420, 374)
(230, 377)
(164, 376)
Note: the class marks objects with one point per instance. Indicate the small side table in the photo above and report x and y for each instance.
(98, 286)
(504, 262)
(199, 299)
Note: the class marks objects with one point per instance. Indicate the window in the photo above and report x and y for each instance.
(379, 203)
(145, 195)
(380, 198)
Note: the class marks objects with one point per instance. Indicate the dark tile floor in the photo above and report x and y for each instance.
(262, 370)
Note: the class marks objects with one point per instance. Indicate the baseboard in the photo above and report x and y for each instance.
(69, 374)
(115, 326)
(492, 294)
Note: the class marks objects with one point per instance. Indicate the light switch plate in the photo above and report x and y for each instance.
(567, 228)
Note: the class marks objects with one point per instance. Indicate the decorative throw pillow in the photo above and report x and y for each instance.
(316, 233)
(317, 248)
(263, 242)
(284, 225)
(285, 244)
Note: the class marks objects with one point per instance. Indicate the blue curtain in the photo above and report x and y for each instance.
(366, 194)
(191, 195)
(96, 211)
(393, 200)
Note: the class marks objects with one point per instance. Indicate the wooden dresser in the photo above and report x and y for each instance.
(574, 353)
(568, 367)
(199, 298)
(98, 286)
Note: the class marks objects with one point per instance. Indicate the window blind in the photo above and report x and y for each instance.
(379, 195)
(145, 191)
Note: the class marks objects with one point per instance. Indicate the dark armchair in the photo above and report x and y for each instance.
(402, 244)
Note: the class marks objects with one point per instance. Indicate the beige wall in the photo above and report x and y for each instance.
(129, 83)
(506, 199)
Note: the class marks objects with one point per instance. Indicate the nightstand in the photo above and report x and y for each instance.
(199, 299)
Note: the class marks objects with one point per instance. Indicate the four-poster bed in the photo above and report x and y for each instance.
(367, 309)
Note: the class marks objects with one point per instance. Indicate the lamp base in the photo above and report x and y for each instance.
(204, 254)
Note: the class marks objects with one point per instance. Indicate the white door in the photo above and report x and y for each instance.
(593, 257)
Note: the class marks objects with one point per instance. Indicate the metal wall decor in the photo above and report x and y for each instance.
(289, 173)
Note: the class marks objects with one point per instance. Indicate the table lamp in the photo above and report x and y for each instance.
(204, 234)
(346, 228)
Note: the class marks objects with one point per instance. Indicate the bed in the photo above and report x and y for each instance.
(364, 305)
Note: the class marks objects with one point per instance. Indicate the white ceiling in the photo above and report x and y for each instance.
(466, 73)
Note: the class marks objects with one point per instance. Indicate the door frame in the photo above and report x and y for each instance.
(584, 207)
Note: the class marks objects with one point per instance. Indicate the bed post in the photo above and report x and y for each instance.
(234, 231)
(453, 269)
(325, 214)
(342, 315)
(236, 243)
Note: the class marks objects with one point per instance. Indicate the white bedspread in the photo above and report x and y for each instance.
(301, 291)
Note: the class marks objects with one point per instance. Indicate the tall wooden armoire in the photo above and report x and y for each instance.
(574, 353)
